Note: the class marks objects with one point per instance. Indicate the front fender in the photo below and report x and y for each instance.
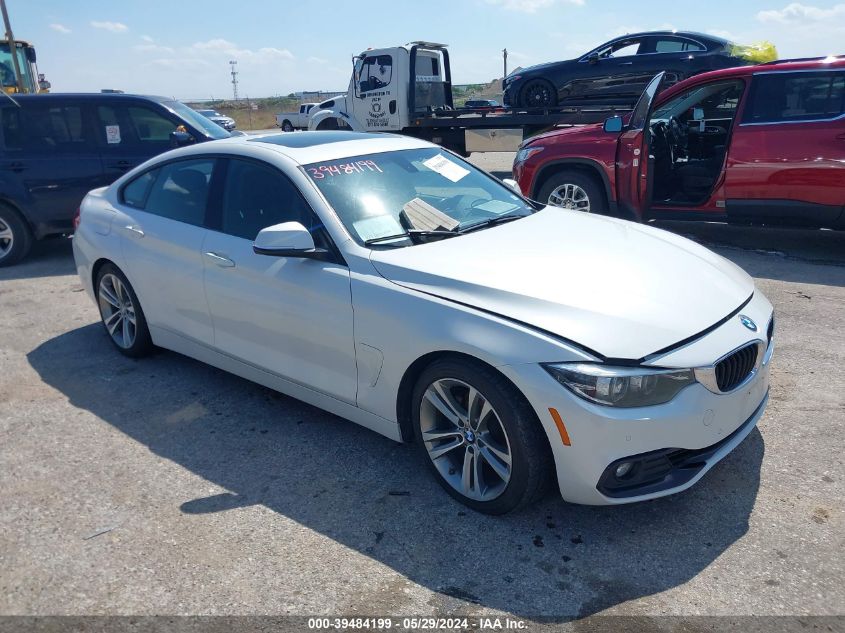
(338, 113)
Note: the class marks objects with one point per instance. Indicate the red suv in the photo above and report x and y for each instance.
(754, 144)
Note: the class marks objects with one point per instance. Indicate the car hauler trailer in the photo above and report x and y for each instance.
(408, 90)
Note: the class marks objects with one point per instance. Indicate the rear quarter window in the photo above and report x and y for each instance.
(134, 194)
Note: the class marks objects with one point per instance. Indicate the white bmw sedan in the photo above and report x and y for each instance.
(387, 281)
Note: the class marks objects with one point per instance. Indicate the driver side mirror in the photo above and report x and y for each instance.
(613, 124)
(513, 184)
(593, 58)
(178, 138)
(289, 239)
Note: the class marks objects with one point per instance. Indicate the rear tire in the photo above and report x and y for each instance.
(287, 126)
(15, 237)
(121, 313)
(497, 457)
(574, 190)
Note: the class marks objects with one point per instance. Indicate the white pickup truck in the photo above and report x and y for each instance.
(290, 121)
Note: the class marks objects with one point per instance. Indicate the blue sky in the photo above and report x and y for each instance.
(181, 48)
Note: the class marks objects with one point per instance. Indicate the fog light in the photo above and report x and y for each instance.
(623, 469)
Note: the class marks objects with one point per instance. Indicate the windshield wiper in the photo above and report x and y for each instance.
(415, 235)
(483, 224)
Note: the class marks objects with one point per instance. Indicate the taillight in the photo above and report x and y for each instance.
(77, 219)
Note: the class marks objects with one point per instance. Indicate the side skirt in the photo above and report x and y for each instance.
(182, 345)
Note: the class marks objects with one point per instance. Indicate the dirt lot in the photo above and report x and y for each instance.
(165, 486)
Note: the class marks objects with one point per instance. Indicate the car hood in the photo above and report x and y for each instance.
(569, 133)
(619, 289)
(540, 68)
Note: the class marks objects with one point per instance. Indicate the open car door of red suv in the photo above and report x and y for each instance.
(632, 165)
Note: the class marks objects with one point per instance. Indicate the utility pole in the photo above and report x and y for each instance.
(233, 65)
(505, 58)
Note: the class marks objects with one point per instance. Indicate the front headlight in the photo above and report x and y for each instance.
(524, 154)
(621, 386)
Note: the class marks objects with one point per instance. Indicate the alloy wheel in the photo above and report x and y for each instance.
(465, 439)
(7, 239)
(117, 310)
(538, 94)
(570, 196)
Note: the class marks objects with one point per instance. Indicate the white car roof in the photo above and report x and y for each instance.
(311, 147)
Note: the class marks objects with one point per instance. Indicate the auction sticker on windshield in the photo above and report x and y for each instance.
(446, 167)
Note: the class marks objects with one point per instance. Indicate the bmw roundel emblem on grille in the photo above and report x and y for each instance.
(748, 322)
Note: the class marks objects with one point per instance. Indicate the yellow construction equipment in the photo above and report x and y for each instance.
(18, 70)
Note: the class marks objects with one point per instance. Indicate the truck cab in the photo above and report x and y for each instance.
(18, 71)
(382, 97)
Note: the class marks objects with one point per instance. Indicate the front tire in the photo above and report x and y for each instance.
(573, 190)
(537, 93)
(480, 437)
(15, 237)
(121, 313)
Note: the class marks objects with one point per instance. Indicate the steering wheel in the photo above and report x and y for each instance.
(678, 132)
(461, 206)
(661, 143)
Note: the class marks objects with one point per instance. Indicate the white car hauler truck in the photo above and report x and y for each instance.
(408, 89)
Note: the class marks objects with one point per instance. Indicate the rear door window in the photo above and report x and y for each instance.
(676, 45)
(10, 121)
(794, 97)
(180, 191)
(47, 130)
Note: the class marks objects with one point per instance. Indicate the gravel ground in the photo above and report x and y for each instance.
(166, 486)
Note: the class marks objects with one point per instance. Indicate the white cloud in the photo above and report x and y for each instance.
(230, 49)
(153, 48)
(61, 28)
(147, 38)
(114, 27)
(213, 53)
(801, 13)
(627, 30)
(531, 6)
(727, 35)
(180, 64)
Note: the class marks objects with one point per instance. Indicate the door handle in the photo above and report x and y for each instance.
(840, 137)
(626, 63)
(122, 165)
(16, 167)
(134, 228)
(220, 260)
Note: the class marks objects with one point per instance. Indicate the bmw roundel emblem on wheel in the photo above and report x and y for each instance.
(392, 283)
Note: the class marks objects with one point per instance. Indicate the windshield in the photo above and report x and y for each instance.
(209, 127)
(209, 113)
(382, 195)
